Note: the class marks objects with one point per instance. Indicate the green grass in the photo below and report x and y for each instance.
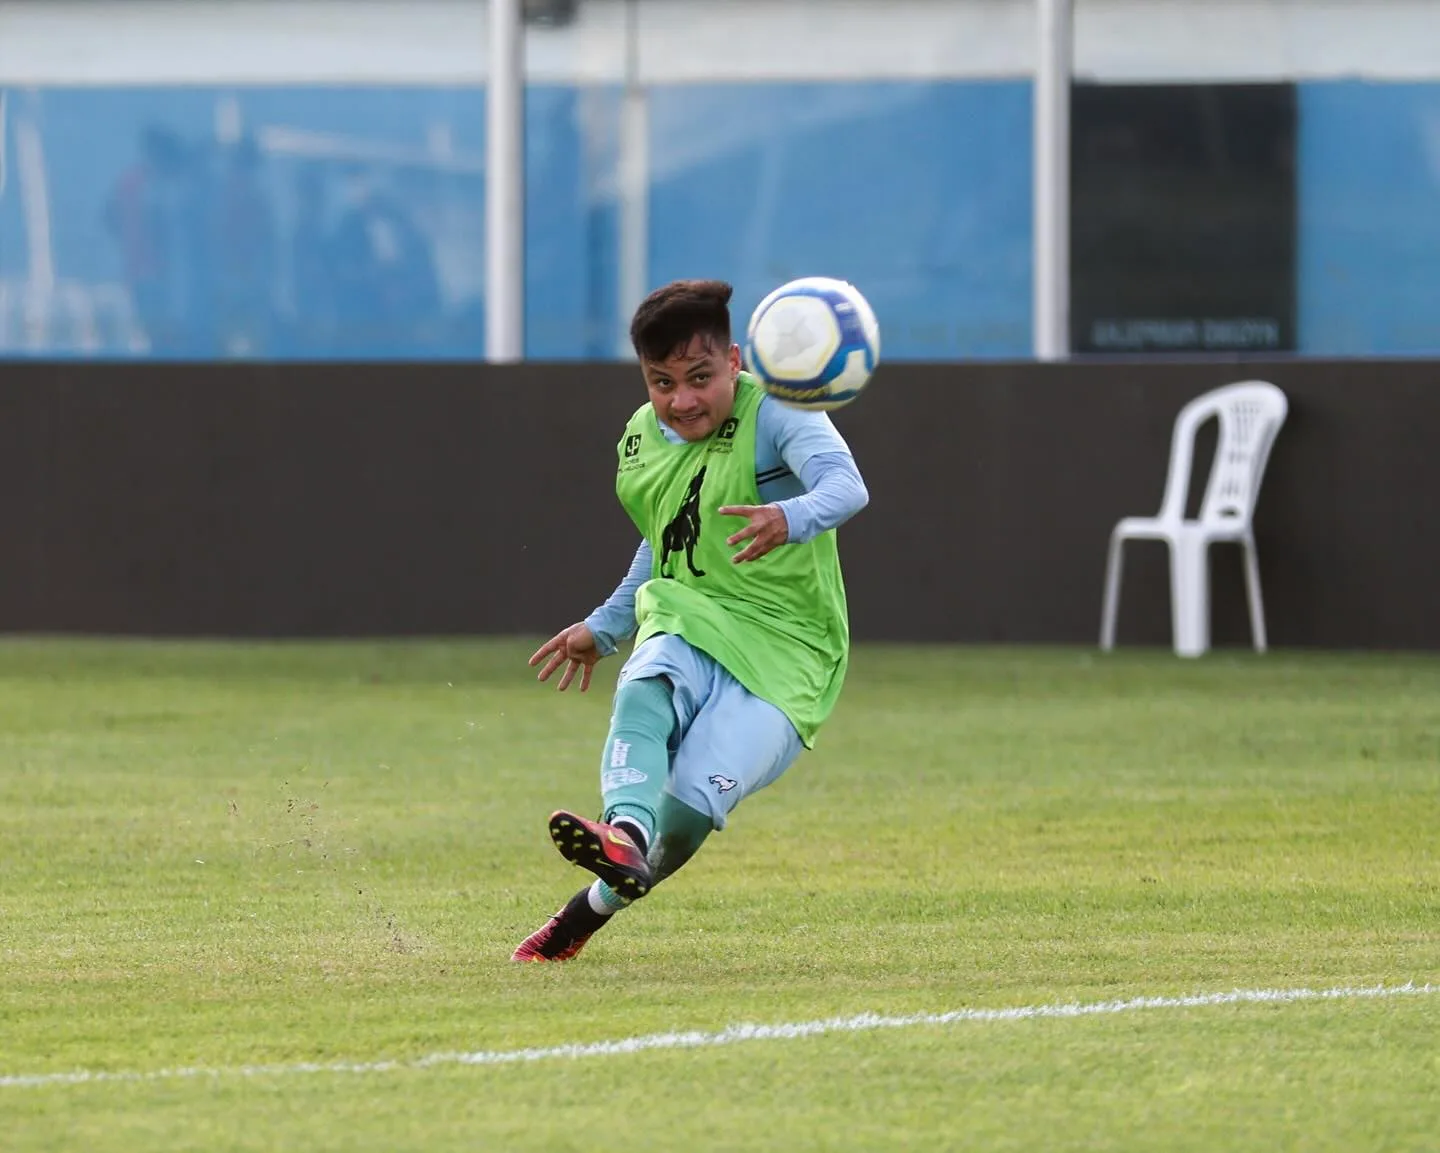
(222, 855)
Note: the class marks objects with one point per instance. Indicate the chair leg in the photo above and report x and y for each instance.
(1190, 594)
(1111, 607)
(1252, 589)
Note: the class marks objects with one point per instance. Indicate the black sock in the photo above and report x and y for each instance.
(579, 917)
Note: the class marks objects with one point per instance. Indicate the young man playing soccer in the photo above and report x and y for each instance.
(735, 599)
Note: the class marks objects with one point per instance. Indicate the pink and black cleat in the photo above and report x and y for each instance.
(564, 934)
(606, 851)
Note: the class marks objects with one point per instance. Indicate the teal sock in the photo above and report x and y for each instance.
(605, 900)
(636, 760)
(682, 831)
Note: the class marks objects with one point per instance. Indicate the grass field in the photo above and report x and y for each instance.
(218, 857)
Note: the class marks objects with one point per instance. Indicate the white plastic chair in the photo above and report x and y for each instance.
(1250, 415)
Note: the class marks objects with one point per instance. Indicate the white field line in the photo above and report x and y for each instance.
(731, 1035)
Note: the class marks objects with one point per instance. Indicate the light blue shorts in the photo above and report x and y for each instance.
(730, 742)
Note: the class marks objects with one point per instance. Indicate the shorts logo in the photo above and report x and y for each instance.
(619, 778)
(723, 784)
(619, 754)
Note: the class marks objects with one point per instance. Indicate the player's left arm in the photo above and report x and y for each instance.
(811, 447)
(582, 645)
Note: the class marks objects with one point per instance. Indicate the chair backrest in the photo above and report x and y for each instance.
(1250, 414)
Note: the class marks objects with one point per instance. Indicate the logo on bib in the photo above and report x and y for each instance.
(632, 461)
(724, 439)
(683, 533)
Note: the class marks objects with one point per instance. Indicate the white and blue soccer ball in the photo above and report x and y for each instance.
(813, 343)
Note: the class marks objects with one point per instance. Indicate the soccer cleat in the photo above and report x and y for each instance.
(552, 941)
(606, 851)
(564, 934)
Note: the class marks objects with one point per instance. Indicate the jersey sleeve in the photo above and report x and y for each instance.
(809, 446)
(792, 436)
(834, 492)
(614, 621)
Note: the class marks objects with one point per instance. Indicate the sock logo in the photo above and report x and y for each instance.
(619, 778)
(619, 754)
(724, 784)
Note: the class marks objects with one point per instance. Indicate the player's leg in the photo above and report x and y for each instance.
(633, 769)
(632, 775)
(682, 830)
(736, 746)
(564, 934)
(636, 758)
(659, 691)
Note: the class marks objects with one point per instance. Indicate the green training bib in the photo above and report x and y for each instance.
(778, 624)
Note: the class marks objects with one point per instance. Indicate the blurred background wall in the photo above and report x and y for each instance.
(304, 179)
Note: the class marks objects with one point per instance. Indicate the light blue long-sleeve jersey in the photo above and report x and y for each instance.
(802, 464)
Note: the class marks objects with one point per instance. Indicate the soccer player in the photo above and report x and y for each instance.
(735, 600)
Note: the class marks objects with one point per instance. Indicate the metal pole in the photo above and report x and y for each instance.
(505, 186)
(1052, 178)
(633, 183)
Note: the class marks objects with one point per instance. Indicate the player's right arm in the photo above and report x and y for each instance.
(614, 621)
(581, 646)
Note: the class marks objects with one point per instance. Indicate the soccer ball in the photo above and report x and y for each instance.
(813, 343)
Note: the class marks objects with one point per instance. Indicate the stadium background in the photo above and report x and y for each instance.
(262, 894)
(276, 193)
(803, 135)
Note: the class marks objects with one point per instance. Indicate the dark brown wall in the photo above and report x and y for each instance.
(333, 500)
(995, 524)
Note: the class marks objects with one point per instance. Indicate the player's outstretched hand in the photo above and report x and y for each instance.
(575, 649)
(768, 529)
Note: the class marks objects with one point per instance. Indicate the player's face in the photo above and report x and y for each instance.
(694, 390)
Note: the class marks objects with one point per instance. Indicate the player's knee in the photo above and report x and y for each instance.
(646, 698)
(645, 709)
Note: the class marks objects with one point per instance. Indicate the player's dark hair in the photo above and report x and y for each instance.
(671, 317)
